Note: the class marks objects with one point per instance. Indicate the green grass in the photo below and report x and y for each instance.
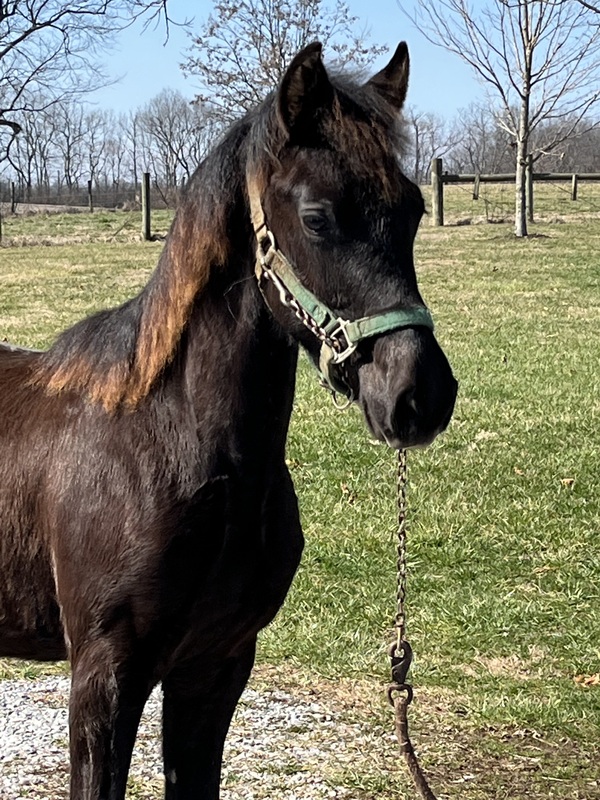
(44, 289)
(104, 225)
(504, 547)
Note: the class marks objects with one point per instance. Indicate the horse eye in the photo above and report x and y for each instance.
(315, 222)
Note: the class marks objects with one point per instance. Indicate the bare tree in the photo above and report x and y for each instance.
(95, 137)
(130, 133)
(25, 157)
(579, 154)
(590, 6)
(245, 47)
(480, 145)
(115, 160)
(70, 142)
(50, 49)
(540, 58)
(430, 137)
(174, 137)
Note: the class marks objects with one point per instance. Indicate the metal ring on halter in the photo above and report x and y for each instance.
(336, 335)
(346, 403)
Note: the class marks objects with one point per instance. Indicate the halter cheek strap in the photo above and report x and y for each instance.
(339, 337)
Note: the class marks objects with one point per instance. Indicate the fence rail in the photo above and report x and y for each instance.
(145, 197)
(439, 178)
(103, 196)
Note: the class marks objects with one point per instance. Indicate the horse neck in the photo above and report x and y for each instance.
(235, 364)
(238, 370)
(198, 338)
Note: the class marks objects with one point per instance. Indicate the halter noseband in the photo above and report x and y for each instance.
(339, 337)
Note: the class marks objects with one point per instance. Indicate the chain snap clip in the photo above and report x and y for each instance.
(401, 658)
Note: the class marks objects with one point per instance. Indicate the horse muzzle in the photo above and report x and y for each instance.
(406, 388)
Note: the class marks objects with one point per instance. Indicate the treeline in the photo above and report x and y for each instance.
(476, 142)
(66, 144)
(63, 146)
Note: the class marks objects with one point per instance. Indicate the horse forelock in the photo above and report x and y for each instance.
(366, 132)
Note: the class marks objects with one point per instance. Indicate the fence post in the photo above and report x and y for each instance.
(90, 198)
(574, 187)
(146, 234)
(529, 187)
(13, 198)
(437, 193)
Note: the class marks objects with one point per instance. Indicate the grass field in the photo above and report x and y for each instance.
(504, 546)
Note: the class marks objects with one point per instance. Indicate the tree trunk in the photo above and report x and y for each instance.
(529, 183)
(521, 157)
(520, 191)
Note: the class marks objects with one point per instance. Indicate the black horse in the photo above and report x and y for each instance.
(148, 524)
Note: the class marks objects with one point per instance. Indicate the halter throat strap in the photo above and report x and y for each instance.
(339, 336)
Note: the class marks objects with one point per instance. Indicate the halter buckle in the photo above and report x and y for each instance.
(266, 248)
(339, 335)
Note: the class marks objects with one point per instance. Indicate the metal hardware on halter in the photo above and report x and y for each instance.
(341, 326)
(284, 294)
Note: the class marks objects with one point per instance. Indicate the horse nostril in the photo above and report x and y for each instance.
(410, 401)
(405, 407)
(407, 392)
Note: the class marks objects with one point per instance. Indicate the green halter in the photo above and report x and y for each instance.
(339, 337)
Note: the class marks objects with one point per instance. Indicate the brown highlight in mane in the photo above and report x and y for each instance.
(78, 375)
(191, 253)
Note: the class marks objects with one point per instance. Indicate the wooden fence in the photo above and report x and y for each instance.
(146, 204)
(439, 178)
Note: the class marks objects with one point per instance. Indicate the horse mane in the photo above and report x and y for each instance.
(116, 356)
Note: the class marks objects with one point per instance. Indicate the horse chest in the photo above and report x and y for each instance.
(225, 577)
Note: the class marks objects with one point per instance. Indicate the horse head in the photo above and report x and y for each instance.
(335, 219)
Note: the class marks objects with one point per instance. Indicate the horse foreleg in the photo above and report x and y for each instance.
(106, 703)
(196, 717)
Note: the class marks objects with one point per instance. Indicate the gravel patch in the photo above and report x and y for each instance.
(280, 745)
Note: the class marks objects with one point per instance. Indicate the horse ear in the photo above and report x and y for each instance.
(305, 90)
(392, 82)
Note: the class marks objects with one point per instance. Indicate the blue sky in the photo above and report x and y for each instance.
(440, 82)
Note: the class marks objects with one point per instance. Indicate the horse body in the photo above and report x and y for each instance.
(148, 524)
(165, 550)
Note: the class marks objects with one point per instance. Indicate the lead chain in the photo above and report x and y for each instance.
(400, 620)
(288, 300)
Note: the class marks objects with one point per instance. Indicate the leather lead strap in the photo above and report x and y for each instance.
(407, 750)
